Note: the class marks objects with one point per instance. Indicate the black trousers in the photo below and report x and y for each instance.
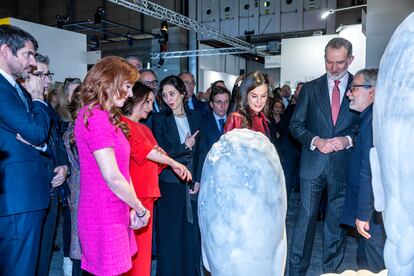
(178, 241)
(48, 237)
(370, 253)
(19, 243)
(305, 227)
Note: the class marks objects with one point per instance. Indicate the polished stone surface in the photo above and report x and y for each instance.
(242, 206)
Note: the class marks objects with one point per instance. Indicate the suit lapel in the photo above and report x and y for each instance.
(213, 124)
(324, 98)
(345, 101)
(173, 128)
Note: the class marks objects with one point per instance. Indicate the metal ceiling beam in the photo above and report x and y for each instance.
(161, 13)
(200, 53)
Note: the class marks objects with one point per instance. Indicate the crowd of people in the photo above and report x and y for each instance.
(123, 154)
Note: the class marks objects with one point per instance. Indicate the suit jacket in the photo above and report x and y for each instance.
(359, 199)
(288, 143)
(55, 154)
(166, 133)
(209, 134)
(312, 117)
(200, 106)
(24, 184)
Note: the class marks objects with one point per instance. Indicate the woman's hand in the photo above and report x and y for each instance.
(191, 139)
(181, 171)
(137, 222)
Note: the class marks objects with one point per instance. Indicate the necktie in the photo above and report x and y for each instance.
(335, 106)
(22, 97)
(221, 123)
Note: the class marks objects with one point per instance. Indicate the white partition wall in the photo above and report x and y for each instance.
(66, 49)
(302, 59)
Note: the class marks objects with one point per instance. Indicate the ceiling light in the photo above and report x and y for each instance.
(325, 14)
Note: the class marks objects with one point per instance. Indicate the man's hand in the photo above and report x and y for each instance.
(363, 227)
(195, 189)
(339, 143)
(324, 145)
(60, 175)
(35, 86)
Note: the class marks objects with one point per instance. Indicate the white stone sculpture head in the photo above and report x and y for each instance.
(392, 159)
(242, 206)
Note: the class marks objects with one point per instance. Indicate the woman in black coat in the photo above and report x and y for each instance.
(178, 236)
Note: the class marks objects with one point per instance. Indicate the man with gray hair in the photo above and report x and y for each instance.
(323, 124)
(135, 61)
(358, 208)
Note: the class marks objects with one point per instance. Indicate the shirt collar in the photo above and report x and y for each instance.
(9, 78)
(343, 82)
(218, 117)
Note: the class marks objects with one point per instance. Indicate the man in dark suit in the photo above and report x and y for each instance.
(149, 78)
(289, 147)
(192, 103)
(359, 209)
(57, 162)
(323, 123)
(213, 123)
(24, 189)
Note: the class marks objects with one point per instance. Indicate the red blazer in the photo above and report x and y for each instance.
(144, 172)
(260, 123)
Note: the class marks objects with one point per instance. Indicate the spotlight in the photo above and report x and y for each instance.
(99, 15)
(164, 26)
(160, 62)
(61, 20)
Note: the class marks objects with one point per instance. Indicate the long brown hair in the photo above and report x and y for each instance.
(250, 82)
(104, 81)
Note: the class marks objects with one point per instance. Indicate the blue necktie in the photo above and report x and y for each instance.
(21, 94)
(221, 123)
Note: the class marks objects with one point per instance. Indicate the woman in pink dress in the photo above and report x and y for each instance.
(109, 209)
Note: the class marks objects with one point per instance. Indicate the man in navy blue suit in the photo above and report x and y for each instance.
(213, 123)
(192, 103)
(359, 209)
(24, 188)
(323, 124)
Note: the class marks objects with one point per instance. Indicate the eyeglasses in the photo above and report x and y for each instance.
(189, 82)
(359, 85)
(151, 83)
(49, 75)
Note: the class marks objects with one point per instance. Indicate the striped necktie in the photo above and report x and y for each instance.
(335, 106)
(22, 97)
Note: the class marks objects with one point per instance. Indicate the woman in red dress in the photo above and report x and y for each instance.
(254, 91)
(147, 161)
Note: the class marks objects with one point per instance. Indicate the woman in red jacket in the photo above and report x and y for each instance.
(254, 91)
(147, 161)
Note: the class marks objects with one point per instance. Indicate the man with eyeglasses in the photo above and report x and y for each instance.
(192, 103)
(359, 209)
(323, 124)
(24, 191)
(149, 78)
(57, 165)
(213, 124)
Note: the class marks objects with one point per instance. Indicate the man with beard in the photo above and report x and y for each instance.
(323, 124)
(24, 189)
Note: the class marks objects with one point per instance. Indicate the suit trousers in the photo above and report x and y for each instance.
(19, 243)
(370, 253)
(305, 227)
(48, 237)
(178, 241)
